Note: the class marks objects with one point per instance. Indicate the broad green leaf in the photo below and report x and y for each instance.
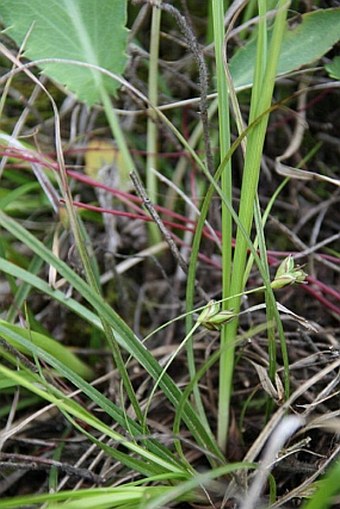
(90, 31)
(302, 44)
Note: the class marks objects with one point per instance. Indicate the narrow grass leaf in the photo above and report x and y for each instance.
(97, 397)
(329, 486)
(48, 344)
(130, 341)
(196, 482)
(89, 498)
(68, 406)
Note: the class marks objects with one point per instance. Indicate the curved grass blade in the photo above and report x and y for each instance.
(36, 385)
(49, 345)
(103, 498)
(124, 334)
(91, 392)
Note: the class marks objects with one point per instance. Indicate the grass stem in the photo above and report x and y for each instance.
(264, 81)
(152, 130)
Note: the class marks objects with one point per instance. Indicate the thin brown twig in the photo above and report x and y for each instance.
(23, 461)
(197, 52)
(164, 231)
(155, 216)
(20, 356)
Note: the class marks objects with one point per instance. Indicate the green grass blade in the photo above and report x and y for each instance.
(23, 290)
(329, 487)
(196, 482)
(152, 127)
(49, 345)
(70, 407)
(250, 179)
(124, 334)
(18, 337)
(92, 498)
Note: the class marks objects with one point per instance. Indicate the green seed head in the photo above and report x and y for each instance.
(212, 318)
(288, 274)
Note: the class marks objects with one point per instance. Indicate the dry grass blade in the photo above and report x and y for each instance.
(268, 429)
(296, 173)
(285, 429)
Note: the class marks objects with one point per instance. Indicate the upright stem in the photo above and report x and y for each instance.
(265, 71)
(118, 135)
(226, 185)
(151, 144)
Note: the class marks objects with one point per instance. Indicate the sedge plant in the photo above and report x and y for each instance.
(264, 79)
(33, 362)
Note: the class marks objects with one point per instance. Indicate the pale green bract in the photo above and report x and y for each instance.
(213, 318)
(288, 273)
(88, 31)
